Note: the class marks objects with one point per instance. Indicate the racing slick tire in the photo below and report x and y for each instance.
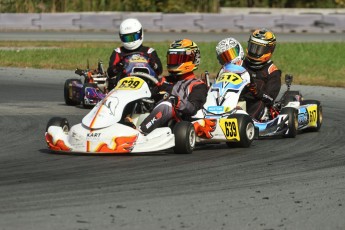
(290, 96)
(91, 85)
(319, 114)
(68, 100)
(292, 121)
(246, 131)
(184, 137)
(59, 121)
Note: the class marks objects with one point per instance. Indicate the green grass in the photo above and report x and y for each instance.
(313, 63)
(310, 63)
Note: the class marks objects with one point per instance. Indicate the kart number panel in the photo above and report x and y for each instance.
(232, 78)
(130, 83)
(230, 129)
(312, 111)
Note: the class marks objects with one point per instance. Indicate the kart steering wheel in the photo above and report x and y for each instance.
(145, 76)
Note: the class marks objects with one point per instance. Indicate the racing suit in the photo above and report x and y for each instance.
(187, 96)
(267, 84)
(115, 70)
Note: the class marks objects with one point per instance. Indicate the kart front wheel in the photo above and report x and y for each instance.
(292, 121)
(59, 121)
(318, 113)
(184, 137)
(67, 92)
(246, 131)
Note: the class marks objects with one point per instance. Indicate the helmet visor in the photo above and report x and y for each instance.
(132, 37)
(176, 57)
(257, 50)
(230, 54)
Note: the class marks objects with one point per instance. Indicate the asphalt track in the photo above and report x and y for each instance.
(275, 184)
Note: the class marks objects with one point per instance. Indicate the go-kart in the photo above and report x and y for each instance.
(223, 118)
(289, 115)
(93, 87)
(106, 128)
(87, 91)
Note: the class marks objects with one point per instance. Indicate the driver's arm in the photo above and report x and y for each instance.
(273, 85)
(196, 100)
(114, 62)
(155, 62)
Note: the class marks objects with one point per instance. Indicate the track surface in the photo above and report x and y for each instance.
(275, 184)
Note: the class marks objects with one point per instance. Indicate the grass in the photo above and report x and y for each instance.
(311, 63)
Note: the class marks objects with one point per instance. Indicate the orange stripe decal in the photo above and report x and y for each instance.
(272, 68)
(121, 145)
(190, 87)
(58, 146)
(93, 122)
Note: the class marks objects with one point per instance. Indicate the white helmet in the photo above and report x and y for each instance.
(229, 50)
(131, 33)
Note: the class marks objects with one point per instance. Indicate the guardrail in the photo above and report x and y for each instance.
(229, 20)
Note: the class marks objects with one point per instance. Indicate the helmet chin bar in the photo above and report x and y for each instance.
(181, 69)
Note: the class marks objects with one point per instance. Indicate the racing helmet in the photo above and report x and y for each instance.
(261, 45)
(131, 33)
(229, 50)
(183, 56)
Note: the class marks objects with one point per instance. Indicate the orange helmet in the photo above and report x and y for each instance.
(183, 57)
(261, 45)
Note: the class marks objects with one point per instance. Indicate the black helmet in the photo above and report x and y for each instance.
(261, 45)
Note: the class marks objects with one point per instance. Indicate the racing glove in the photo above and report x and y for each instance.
(253, 89)
(153, 64)
(119, 67)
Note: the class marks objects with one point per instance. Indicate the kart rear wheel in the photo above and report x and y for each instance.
(67, 95)
(319, 114)
(246, 131)
(59, 121)
(184, 137)
(292, 121)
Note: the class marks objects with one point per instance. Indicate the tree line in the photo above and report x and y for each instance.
(164, 6)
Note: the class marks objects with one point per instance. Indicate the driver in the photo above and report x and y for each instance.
(230, 55)
(187, 94)
(132, 36)
(266, 76)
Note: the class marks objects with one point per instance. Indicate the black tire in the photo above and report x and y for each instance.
(319, 114)
(92, 85)
(68, 100)
(184, 137)
(59, 121)
(292, 121)
(246, 130)
(290, 96)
